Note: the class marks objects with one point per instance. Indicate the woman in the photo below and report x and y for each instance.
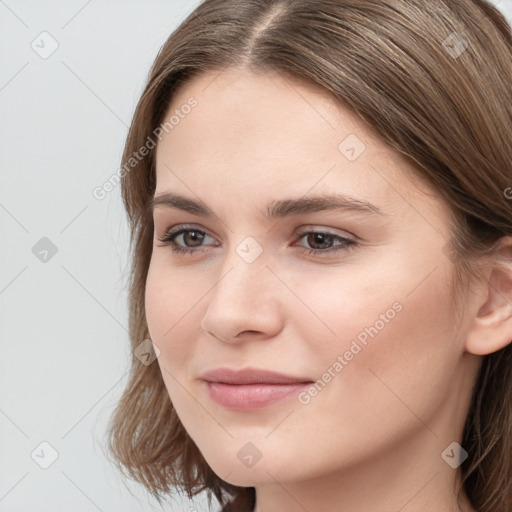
(319, 194)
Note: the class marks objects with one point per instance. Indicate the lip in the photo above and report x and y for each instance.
(251, 388)
(251, 376)
(247, 397)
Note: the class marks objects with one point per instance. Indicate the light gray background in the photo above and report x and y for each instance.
(63, 323)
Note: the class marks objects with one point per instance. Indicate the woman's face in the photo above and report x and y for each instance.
(370, 321)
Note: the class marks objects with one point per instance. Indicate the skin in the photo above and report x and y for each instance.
(371, 440)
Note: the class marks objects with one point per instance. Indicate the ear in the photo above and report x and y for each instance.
(491, 327)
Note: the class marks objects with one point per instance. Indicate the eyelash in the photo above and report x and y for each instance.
(168, 240)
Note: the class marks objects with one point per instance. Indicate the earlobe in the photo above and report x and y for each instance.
(490, 332)
(491, 328)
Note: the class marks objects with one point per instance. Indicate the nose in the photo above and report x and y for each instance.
(245, 303)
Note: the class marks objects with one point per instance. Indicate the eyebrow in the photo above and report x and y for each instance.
(275, 209)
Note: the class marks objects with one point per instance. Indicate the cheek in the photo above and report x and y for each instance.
(171, 315)
(169, 307)
(393, 343)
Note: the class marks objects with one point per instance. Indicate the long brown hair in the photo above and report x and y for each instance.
(434, 80)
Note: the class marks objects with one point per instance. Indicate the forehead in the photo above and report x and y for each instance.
(265, 112)
(264, 134)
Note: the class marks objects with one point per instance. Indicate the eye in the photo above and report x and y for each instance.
(190, 234)
(193, 236)
(322, 238)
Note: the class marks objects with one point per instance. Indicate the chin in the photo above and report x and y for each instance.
(234, 465)
(238, 469)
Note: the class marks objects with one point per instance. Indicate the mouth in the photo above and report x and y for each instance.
(250, 389)
(244, 397)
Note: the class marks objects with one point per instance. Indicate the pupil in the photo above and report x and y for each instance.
(319, 238)
(194, 235)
